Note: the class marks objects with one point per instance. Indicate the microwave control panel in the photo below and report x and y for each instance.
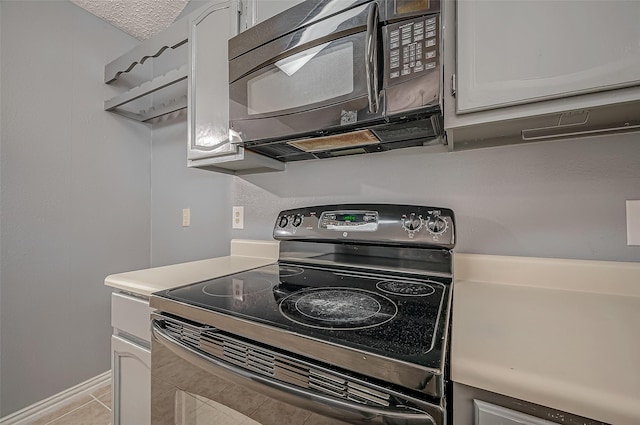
(412, 48)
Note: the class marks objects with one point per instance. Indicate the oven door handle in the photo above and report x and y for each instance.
(297, 396)
(371, 59)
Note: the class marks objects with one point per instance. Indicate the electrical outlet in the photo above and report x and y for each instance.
(186, 217)
(238, 218)
(633, 223)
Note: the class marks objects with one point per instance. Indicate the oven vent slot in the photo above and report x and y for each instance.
(185, 333)
(237, 353)
(272, 364)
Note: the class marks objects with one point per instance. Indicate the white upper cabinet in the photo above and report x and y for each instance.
(521, 51)
(262, 10)
(208, 94)
(535, 70)
(186, 66)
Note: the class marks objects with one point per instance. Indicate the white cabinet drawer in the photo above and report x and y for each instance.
(491, 414)
(131, 315)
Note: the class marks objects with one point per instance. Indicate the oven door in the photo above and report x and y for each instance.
(190, 387)
(322, 76)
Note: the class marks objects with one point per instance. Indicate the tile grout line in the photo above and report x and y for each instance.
(105, 406)
(69, 412)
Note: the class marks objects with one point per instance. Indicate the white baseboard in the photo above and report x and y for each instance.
(48, 405)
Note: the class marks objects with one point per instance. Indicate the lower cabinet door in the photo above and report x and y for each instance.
(131, 369)
(491, 414)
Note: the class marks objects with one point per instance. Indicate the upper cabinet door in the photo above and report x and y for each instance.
(522, 51)
(208, 90)
(264, 9)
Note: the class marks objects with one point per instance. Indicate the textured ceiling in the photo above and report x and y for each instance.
(139, 18)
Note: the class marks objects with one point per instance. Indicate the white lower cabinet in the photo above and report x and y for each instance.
(491, 414)
(475, 406)
(131, 382)
(131, 359)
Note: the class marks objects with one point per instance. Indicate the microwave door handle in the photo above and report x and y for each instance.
(371, 59)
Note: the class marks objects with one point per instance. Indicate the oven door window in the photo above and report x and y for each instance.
(192, 409)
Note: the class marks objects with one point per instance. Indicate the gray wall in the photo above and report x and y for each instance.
(174, 187)
(0, 207)
(75, 196)
(560, 199)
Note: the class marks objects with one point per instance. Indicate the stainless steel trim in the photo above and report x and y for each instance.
(366, 267)
(409, 375)
(294, 395)
(371, 59)
(453, 85)
(391, 230)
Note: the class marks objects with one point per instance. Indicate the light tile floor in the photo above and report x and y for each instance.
(94, 409)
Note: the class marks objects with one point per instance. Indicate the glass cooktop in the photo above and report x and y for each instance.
(393, 315)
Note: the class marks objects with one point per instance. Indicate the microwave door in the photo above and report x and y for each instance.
(312, 88)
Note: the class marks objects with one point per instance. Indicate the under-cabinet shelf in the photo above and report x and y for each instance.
(157, 95)
(171, 38)
(162, 108)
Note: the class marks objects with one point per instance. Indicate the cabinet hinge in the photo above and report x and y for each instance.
(453, 85)
(239, 13)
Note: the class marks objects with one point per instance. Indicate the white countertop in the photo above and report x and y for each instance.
(245, 255)
(560, 333)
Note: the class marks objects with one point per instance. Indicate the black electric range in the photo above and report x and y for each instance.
(386, 314)
(359, 289)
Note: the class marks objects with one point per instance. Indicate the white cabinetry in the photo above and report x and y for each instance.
(208, 112)
(480, 407)
(526, 51)
(572, 65)
(186, 67)
(491, 414)
(131, 360)
(262, 10)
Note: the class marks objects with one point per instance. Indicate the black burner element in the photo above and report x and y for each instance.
(288, 271)
(338, 308)
(405, 288)
(237, 289)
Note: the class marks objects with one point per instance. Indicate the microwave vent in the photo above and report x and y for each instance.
(336, 141)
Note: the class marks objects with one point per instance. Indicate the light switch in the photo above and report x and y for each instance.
(186, 217)
(238, 218)
(633, 223)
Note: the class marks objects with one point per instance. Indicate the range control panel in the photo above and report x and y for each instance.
(371, 223)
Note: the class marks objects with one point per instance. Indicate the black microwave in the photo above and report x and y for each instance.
(328, 78)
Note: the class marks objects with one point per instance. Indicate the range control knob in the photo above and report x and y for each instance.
(297, 220)
(412, 223)
(436, 224)
(283, 221)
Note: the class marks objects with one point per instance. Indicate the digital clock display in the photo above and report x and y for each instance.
(351, 218)
(352, 221)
